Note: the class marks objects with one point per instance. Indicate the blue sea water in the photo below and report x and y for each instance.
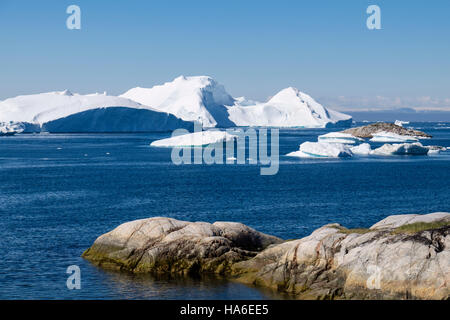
(59, 192)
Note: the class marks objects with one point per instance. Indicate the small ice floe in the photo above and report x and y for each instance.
(400, 123)
(401, 149)
(363, 149)
(321, 150)
(10, 129)
(196, 139)
(339, 137)
(434, 150)
(384, 136)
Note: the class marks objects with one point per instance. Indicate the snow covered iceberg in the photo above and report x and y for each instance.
(288, 108)
(385, 136)
(321, 150)
(339, 137)
(401, 149)
(199, 99)
(196, 139)
(204, 100)
(363, 149)
(63, 111)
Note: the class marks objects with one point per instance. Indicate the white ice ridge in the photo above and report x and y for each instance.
(401, 149)
(85, 111)
(384, 136)
(339, 137)
(321, 150)
(363, 149)
(198, 139)
(198, 98)
(288, 108)
(203, 99)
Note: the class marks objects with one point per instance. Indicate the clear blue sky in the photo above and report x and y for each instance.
(254, 48)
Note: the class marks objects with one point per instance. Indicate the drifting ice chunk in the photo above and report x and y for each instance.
(321, 150)
(10, 129)
(401, 123)
(339, 137)
(384, 136)
(195, 139)
(401, 149)
(362, 150)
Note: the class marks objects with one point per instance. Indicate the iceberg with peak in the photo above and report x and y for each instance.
(384, 136)
(204, 100)
(196, 139)
(288, 108)
(63, 111)
(401, 149)
(339, 137)
(198, 98)
(321, 150)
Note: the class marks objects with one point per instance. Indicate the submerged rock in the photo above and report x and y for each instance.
(165, 245)
(369, 130)
(400, 257)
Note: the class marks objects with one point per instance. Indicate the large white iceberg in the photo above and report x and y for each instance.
(321, 150)
(288, 108)
(199, 99)
(195, 139)
(384, 136)
(204, 100)
(339, 137)
(401, 149)
(363, 149)
(63, 111)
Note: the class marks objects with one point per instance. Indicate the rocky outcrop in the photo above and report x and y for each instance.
(164, 245)
(367, 131)
(400, 257)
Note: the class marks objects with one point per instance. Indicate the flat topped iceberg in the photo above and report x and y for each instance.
(199, 99)
(64, 111)
(288, 108)
(196, 139)
(321, 150)
(401, 149)
(384, 136)
(339, 137)
(363, 149)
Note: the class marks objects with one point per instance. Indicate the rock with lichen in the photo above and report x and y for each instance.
(165, 245)
(367, 131)
(400, 257)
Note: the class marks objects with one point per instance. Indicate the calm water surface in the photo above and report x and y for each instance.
(58, 193)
